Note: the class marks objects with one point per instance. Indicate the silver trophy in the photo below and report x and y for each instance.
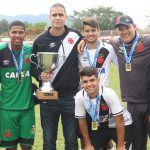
(47, 62)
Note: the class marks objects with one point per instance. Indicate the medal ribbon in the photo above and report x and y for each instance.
(128, 58)
(95, 57)
(94, 109)
(18, 67)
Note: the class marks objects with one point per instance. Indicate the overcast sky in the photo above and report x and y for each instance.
(137, 9)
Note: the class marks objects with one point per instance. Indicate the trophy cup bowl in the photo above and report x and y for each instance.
(47, 62)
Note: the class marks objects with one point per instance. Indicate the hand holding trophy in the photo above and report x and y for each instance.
(47, 62)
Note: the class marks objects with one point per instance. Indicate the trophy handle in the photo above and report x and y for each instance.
(33, 61)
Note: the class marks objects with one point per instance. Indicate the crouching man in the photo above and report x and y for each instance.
(100, 114)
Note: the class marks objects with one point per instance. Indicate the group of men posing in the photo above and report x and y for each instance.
(100, 115)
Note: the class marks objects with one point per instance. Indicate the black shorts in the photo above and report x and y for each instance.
(101, 138)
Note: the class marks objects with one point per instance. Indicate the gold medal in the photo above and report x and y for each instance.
(128, 66)
(19, 77)
(94, 125)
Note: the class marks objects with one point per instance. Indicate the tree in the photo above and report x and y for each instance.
(31, 29)
(106, 17)
(36, 28)
(3, 26)
(40, 27)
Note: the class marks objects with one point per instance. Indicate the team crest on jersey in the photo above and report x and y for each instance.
(5, 62)
(100, 59)
(70, 40)
(7, 133)
(139, 47)
(27, 60)
(104, 107)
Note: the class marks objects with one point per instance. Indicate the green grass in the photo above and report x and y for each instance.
(114, 83)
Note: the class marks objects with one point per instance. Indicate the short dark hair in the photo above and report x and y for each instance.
(16, 23)
(88, 71)
(57, 5)
(91, 22)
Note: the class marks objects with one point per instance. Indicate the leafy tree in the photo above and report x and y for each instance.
(40, 27)
(106, 17)
(31, 29)
(3, 26)
(36, 28)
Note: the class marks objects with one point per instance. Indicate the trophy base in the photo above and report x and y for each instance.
(47, 96)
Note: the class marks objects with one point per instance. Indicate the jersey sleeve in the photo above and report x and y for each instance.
(80, 111)
(112, 101)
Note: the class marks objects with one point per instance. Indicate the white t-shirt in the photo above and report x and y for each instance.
(112, 101)
(106, 50)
